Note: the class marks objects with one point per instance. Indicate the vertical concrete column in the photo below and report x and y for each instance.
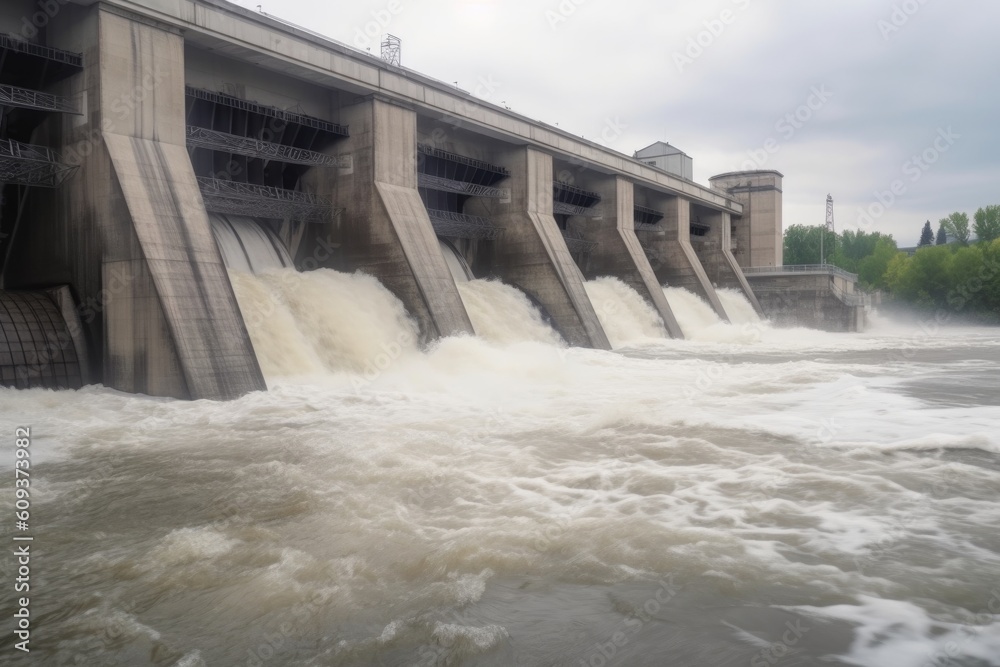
(717, 257)
(671, 254)
(618, 252)
(384, 230)
(532, 254)
(131, 228)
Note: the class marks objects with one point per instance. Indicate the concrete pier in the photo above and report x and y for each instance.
(532, 255)
(714, 249)
(671, 255)
(129, 232)
(384, 229)
(818, 297)
(617, 251)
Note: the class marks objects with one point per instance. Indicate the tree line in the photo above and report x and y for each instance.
(956, 270)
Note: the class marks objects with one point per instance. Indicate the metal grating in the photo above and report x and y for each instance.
(12, 96)
(26, 164)
(264, 202)
(271, 112)
(36, 348)
(576, 243)
(646, 216)
(201, 137)
(570, 194)
(461, 159)
(24, 46)
(562, 208)
(644, 227)
(461, 187)
(462, 226)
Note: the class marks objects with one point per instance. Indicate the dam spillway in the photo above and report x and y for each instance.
(174, 151)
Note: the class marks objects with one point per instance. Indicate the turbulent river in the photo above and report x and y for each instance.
(751, 496)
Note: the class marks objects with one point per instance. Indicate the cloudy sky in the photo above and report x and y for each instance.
(855, 98)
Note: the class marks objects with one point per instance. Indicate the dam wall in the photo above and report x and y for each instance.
(157, 115)
(711, 238)
(612, 247)
(818, 297)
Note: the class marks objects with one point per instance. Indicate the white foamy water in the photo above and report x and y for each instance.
(831, 502)
(625, 316)
(739, 310)
(503, 314)
(700, 322)
(322, 321)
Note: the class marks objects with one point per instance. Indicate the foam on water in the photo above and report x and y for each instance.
(503, 314)
(700, 322)
(322, 321)
(626, 317)
(472, 502)
(737, 307)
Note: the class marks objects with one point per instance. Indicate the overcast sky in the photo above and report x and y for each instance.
(869, 86)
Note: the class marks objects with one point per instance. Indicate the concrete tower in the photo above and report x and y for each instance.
(757, 235)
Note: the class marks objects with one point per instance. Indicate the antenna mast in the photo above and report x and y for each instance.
(391, 47)
(828, 226)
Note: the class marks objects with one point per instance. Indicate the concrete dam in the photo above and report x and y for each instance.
(151, 152)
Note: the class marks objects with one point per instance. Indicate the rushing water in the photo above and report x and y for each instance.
(762, 497)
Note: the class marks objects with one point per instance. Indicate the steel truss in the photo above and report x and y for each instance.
(261, 201)
(271, 112)
(576, 243)
(461, 187)
(462, 226)
(25, 164)
(562, 208)
(646, 216)
(201, 137)
(12, 96)
(461, 159)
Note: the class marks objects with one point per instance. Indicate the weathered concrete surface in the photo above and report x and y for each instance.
(757, 236)
(816, 301)
(129, 231)
(618, 252)
(384, 230)
(532, 254)
(670, 253)
(714, 251)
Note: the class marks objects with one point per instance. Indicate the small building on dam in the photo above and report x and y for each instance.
(147, 148)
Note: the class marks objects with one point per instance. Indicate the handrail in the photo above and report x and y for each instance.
(803, 268)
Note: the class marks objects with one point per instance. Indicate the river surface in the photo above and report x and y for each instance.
(752, 496)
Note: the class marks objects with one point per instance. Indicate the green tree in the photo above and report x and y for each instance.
(926, 235)
(957, 226)
(942, 235)
(872, 269)
(987, 225)
(924, 278)
(802, 244)
(966, 279)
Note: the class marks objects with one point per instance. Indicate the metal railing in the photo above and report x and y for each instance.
(576, 243)
(24, 98)
(461, 187)
(461, 226)
(201, 137)
(24, 46)
(562, 208)
(26, 164)
(261, 201)
(461, 159)
(263, 110)
(801, 268)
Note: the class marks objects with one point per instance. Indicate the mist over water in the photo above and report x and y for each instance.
(754, 496)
